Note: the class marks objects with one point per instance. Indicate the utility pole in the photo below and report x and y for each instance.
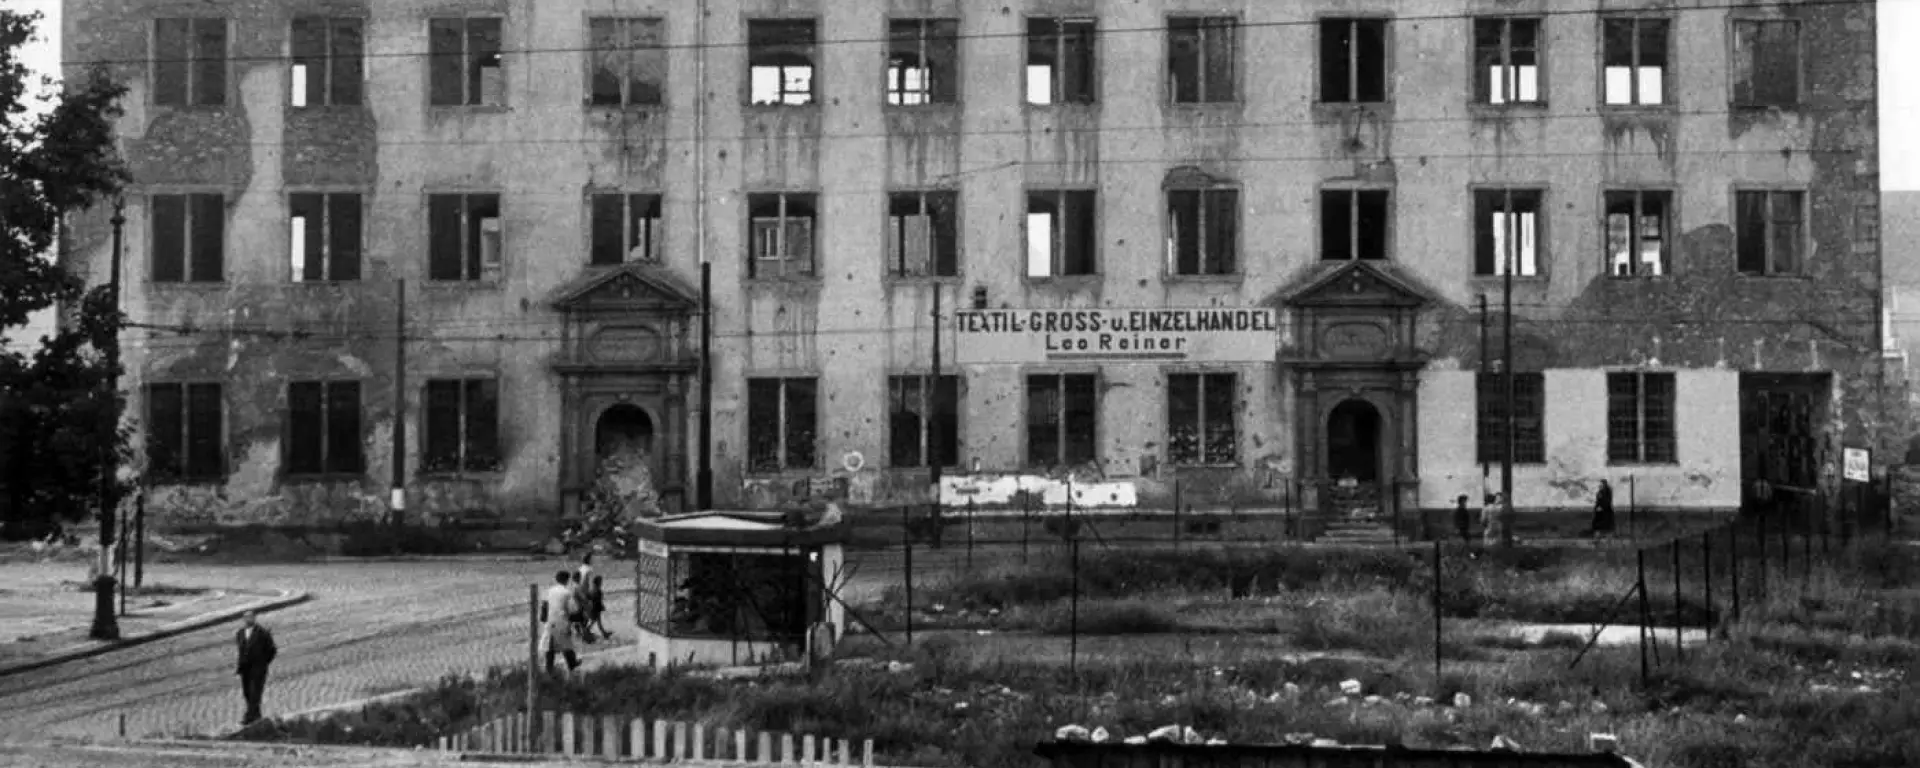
(932, 393)
(1485, 368)
(106, 626)
(1506, 357)
(399, 500)
(703, 477)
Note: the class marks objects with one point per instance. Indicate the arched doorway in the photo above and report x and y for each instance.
(624, 429)
(1353, 442)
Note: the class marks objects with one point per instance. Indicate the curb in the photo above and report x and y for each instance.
(285, 599)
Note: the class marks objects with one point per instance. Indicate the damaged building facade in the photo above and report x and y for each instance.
(1242, 246)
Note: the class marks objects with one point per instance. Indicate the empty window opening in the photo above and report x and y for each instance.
(923, 234)
(323, 428)
(1200, 419)
(1062, 419)
(782, 236)
(626, 228)
(462, 426)
(466, 62)
(190, 62)
(1060, 233)
(1507, 58)
(325, 236)
(185, 433)
(1506, 225)
(923, 61)
(1766, 63)
(328, 68)
(1353, 61)
(1203, 231)
(919, 407)
(1638, 223)
(1635, 60)
(1770, 232)
(189, 238)
(1640, 410)
(628, 63)
(1528, 409)
(1353, 224)
(1201, 54)
(463, 237)
(1060, 61)
(781, 423)
(780, 61)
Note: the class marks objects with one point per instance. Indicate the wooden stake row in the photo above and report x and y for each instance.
(608, 737)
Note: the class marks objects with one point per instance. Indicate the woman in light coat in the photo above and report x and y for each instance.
(556, 615)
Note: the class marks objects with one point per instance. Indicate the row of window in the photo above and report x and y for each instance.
(627, 63)
(324, 434)
(1202, 233)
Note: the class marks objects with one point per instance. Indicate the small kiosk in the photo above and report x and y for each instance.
(737, 588)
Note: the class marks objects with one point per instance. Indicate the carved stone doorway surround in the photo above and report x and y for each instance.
(626, 368)
(1353, 341)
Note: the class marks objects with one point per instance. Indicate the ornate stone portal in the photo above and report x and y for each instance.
(1355, 371)
(626, 368)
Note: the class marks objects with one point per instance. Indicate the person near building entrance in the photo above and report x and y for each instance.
(1603, 510)
(1462, 519)
(257, 650)
(1490, 518)
(557, 610)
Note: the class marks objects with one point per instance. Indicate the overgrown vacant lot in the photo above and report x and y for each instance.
(1812, 674)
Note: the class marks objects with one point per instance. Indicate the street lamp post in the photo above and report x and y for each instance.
(106, 626)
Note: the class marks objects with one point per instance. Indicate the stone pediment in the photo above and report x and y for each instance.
(1353, 284)
(627, 288)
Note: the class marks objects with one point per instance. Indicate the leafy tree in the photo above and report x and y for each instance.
(53, 410)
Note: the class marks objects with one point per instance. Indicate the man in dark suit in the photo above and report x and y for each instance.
(256, 652)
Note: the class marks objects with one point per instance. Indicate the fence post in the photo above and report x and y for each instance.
(1760, 538)
(1679, 616)
(1026, 522)
(969, 533)
(1786, 550)
(1706, 572)
(1646, 611)
(1733, 570)
(1178, 499)
(906, 566)
(533, 659)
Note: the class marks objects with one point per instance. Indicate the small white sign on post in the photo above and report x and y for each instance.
(1858, 465)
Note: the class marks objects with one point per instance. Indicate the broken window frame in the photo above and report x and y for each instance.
(1637, 204)
(197, 223)
(468, 408)
(792, 445)
(1642, 418)
(784, 58)
(1355, 89)
(1206, 432)
(1529, 423)
(1639, 48)
(481, 246)
(1052, 421)
(1048, 41)
(1500, 227)
(340, 423)
(1355, 240)
(198, 74)
(910, 397)
(188, 446)
(469, 62)
(1067, 256)
(932, 43)
(1213, 45)
(640, 218)
(941, 210)
(1752, 88)
(619, 45)
(1782, 231)
(1499, 61)
(328, 250)
(334, 76)
(1215, 244)
(771, 250)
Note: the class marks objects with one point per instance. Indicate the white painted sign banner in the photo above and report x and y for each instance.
(1201, 335)
(1858, 465)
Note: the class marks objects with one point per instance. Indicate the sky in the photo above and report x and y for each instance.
(1899, 81)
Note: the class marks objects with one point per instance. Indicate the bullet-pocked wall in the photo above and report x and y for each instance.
(524, 127)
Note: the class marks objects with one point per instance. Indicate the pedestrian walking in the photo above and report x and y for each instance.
(557, 610)
(582, 602)
(257, 650)
(1490, 517)
(597, 608)
(1462, 519)
(1603, 510)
